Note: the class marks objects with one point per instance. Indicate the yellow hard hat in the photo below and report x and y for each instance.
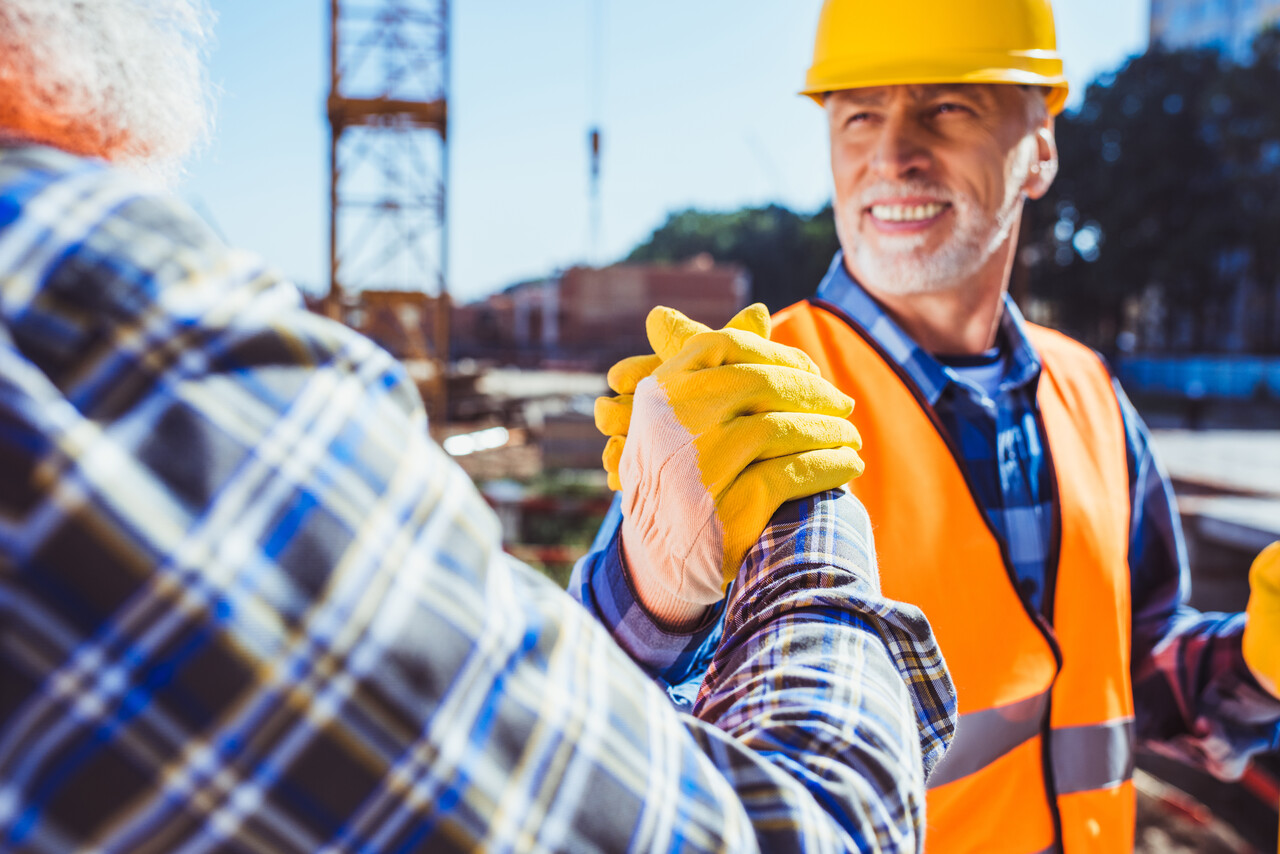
(882, 43)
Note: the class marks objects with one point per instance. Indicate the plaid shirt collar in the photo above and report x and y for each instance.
(931, 376)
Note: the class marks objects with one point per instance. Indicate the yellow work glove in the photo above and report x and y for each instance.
(1262, 632)
(672, 328)
(728, 428)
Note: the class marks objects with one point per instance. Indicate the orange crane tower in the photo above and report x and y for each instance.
(388, 236)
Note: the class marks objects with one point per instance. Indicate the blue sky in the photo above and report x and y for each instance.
(699, 109)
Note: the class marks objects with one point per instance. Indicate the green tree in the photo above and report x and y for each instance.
(1169, 183)
(785, 253)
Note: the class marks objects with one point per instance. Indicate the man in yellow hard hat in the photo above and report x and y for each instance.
(1015, 493)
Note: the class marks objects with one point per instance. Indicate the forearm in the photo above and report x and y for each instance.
(806, 737)
(1194, 696)
(1196, 699)
(809, 596)
(806, 660)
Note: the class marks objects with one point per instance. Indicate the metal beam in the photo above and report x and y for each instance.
(388, 118)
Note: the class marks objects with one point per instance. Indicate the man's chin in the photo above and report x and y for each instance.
(907, 275)
(909, 287)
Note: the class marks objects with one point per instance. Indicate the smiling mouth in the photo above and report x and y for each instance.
(908, 213)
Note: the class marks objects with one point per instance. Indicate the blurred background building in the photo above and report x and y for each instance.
(1229, 25)
(587, 318)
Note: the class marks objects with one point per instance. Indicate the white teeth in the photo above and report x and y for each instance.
(906, 213)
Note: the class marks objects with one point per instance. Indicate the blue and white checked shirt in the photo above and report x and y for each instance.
(247, 605)
(1195, 697)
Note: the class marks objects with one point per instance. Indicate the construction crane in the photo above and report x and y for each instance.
(388, 235)
(595, 105)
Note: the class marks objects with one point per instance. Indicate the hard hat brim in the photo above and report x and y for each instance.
(1024, 68)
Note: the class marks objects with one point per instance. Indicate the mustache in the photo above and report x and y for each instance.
(909, 187)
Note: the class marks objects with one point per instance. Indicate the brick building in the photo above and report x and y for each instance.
(589, 318)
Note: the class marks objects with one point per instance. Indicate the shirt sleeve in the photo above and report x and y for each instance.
(1195, 698)
(811, 533)
(247, 603)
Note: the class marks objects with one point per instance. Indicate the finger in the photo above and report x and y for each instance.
(703, 399)
(614, 483)
(754, 319)
(612, 456)
(613, 414)
(734, 347)
(626, 374)
(777, 434)
(727, 451)
(771, 483)
(669, 329)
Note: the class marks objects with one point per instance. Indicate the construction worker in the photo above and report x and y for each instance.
(246, 604)
(1016, 495)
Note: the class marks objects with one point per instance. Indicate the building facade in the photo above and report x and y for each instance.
(588, 318)
(1228, 25)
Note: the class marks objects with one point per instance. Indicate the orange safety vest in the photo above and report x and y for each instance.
(1043, 751)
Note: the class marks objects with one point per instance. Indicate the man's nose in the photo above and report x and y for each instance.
(900, 151)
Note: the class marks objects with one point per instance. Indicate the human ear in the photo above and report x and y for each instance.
(1045, 167)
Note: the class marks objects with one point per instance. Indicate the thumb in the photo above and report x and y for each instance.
(669, 329)
(626, 374)
(753, 318)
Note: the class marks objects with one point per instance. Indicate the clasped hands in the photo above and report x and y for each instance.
(708, 437)
(717, 429)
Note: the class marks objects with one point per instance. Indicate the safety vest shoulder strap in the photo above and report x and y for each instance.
(1086, 442)
(1092, 742)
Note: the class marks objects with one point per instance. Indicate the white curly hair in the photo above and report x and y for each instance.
(119, 79)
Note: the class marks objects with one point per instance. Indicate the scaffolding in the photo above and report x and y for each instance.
(388, 116)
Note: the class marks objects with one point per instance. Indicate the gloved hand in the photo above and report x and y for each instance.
(724, 431)
(1262, 633)
(670, 328)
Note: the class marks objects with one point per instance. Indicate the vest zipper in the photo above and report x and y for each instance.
(1051, 571)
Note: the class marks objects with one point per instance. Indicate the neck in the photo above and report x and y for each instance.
(960, 320)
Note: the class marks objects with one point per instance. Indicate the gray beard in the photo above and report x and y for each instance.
(907, 272)
(977, 237)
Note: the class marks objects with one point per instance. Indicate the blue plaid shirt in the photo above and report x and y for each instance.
(247, 605)
(1194, 695)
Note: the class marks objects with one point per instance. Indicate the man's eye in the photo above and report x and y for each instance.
(857, 118)
(944, 108)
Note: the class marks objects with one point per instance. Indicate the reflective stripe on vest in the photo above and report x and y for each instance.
(983, 737)
(1084, 757)
(1043, 709)
(1092, 757)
